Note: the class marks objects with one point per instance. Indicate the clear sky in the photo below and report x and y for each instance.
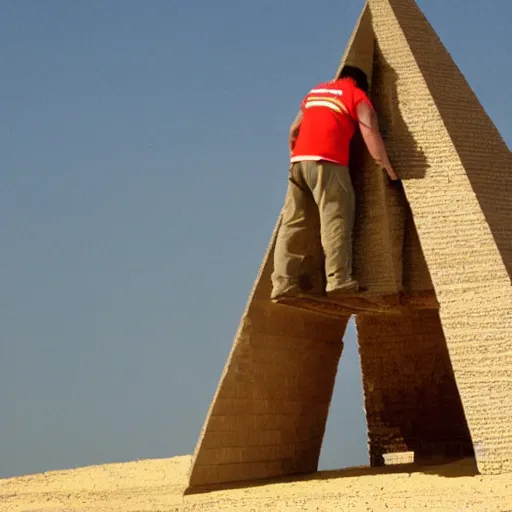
(143, 165)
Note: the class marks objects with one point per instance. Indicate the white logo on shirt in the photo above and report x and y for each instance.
(337, 92)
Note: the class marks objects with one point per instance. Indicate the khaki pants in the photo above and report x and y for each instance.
(319, 207)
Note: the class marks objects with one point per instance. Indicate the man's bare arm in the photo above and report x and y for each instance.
(294, 130)
(369, 125)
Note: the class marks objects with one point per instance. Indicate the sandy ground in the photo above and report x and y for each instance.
(158, 485)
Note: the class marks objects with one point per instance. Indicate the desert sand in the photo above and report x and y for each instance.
(158, 485)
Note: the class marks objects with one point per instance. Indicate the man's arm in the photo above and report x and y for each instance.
(369, 125)
(294, 130)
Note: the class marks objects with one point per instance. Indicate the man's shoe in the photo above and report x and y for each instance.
(286, 294)
(349, 287)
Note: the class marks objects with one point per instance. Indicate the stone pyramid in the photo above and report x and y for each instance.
(434, 328)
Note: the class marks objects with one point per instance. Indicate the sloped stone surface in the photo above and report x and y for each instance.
(458, 187)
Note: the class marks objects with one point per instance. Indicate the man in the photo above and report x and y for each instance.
(319, 183)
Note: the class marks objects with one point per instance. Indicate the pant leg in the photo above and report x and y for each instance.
(293, 241)
(333, 192)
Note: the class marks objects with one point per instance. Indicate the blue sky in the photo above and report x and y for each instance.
(143, 165)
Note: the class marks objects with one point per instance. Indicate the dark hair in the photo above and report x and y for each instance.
(357, 74)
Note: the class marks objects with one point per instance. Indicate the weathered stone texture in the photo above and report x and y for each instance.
(378, 232)
(411, 398)
(269, 413)
(360, 47)
(381, 206)
(458, 187)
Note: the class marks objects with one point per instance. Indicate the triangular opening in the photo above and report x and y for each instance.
(395, 399)
(346, 436)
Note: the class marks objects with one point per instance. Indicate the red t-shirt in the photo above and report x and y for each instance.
(329, 121)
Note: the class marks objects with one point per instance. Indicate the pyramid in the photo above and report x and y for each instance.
(434, 327)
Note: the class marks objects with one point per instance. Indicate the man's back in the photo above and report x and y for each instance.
(329, 117)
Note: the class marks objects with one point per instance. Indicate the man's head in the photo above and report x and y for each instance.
(356, 74)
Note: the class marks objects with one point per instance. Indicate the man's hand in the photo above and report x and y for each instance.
(393, 176)
(291, 144)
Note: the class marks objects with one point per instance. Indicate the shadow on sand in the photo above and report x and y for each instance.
(448, 469)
